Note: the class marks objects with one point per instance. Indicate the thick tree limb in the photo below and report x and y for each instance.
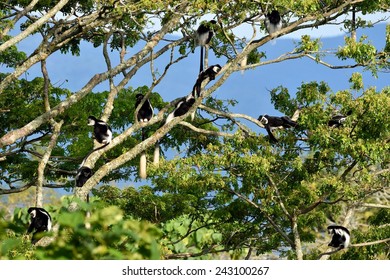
(297, 239)
(370, 243)
(43, 163)
(372, 205)
(29, 128)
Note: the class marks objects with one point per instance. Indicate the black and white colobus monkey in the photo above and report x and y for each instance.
(103, 134)
(210, 73)
(101, 130)
(182, 107)
(273, 22)
(340, 236)
(40, 222)
(270, 123)
(144, 114)
(82, 176)
(339, 119)
(203, 35)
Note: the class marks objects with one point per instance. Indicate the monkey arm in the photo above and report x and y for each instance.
(271, 136)
(31, 227)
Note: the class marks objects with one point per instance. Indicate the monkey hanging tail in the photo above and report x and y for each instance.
(142, 160)
(201, 58)
(94, 150)
(87, 215)
(142, 165)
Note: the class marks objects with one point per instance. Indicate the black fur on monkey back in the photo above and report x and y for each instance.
(145, 113)
(274, 17)
(40, 221)
(83, 174)
(340, 236)
(205, 32)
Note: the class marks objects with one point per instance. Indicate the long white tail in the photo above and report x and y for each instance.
(87, 216)
(142, 166)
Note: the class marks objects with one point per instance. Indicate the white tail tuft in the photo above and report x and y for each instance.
(142, 166)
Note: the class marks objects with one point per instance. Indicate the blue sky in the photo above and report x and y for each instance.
(249, 89)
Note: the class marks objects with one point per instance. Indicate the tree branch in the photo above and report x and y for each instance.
(333, 66)
(113, 90)
(204, 131)
(18, 16)
(284, 209)
(29, 128)
(190, 255)
(375, 205)
(370, 243)
(29, 30)
(43, 163)
(276, 227)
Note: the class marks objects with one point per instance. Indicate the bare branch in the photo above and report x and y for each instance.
(328, 253)
(42, 20)
(284, 209)
(372, 205)
(29, 185)
(190, 255)
(53, 141)
(43, 162)
(18, 16)
(370, 243)
(135, 61)
(230, 116)
(276, 227)
(204, 131)
(333, 66)
(281, 58)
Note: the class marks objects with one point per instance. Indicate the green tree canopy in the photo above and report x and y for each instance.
(221, 186)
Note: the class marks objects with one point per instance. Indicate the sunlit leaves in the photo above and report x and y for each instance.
(110, 237)
(11, 57)
(209, 192)
(356, 81)
(387, 39)
(187, 235)
(362, 53)
(308, 45)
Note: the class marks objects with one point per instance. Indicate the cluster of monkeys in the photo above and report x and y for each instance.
(103, 133)
(271, 123)
(41, 219)
(41, 222)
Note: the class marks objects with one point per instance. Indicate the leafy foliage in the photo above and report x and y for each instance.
(220, 187)
(113, 236)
